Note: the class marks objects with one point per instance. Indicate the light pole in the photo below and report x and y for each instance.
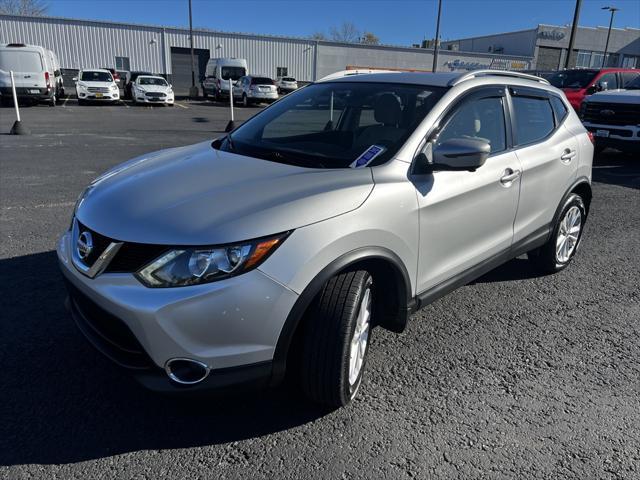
(193, 91)
(613, 10)
(572, 37)
(435, 48)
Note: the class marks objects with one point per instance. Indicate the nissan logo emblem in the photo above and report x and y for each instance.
(84, 245)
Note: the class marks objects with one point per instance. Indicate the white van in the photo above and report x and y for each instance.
(218, 73)
(33, 72)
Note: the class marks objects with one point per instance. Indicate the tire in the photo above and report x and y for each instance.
(557, 253)
(245, 100)
(331, 361)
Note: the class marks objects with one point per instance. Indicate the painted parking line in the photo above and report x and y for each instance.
(65, 101)
(180, 105)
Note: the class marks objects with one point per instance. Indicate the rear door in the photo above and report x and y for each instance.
(548, 153)
(28, 66)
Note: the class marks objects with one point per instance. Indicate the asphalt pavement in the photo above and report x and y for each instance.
(515, 376)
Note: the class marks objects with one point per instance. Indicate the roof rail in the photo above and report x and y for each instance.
(499, 73)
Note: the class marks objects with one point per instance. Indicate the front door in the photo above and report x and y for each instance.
(467, 217)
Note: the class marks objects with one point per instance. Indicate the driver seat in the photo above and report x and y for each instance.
(387, 111)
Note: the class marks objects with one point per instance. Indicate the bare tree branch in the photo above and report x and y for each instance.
(36, 8)
(347, 32)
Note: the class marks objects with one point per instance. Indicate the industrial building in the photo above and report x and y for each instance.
(548, 46)
(165, 50)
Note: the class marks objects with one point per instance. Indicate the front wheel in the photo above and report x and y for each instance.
(557, 253)
(336, 339)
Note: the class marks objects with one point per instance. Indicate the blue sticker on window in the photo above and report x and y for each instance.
(367, 157)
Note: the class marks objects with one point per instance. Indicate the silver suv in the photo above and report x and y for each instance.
(346, 205)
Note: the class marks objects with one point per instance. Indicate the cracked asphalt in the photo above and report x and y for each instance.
(515, 376)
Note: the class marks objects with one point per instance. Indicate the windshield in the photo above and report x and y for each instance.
(572, 78)
(331, 125)
(20, 61)
(233, 73)
(634, 84)
(96, 77)
(152, 81)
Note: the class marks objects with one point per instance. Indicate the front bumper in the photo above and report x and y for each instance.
(621, 137)
(232, 325)
(98, 97)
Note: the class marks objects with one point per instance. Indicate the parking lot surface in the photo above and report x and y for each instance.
(513, 376)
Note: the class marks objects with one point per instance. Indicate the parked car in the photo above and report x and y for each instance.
(614, 117)
(36, 73)
(96, 85)
(286, 84)
(128, 83)
(217, 74)
(150, 89)
(114, 74)
(579, 83)
(251, 90)
(345, 206)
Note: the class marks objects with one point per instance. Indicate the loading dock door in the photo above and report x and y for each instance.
(181, 68)
(548, 58)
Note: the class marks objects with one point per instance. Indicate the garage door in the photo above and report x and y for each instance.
(548, 58)
(181, 68)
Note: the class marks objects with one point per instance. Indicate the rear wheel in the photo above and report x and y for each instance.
(336, 339)
(558, 252)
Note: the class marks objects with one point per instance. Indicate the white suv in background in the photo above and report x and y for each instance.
(287, 84)
(96, 85)
(613, 116)
(255, 89)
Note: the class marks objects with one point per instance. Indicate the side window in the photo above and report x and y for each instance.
(611, 79)
(559, 108)
(122, 63)
(481, 118)
(533, 119)
(281, 72)
(628, 77)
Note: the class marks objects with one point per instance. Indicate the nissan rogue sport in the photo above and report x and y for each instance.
(346, 205)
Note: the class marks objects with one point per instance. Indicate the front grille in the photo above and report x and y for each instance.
(106, 332)
(130, 258)
(623, 114)
(98, 89)
(155, 94)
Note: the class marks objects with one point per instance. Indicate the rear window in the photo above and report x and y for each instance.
(261, 81)
(288, 79)
(533, 119)
(20, 61)
(572, 78)
(96, 77)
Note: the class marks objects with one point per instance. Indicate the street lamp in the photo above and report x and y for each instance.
(435, 48)
(613, 10)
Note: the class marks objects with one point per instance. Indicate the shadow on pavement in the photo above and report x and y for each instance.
(62, 402)
(617, 168)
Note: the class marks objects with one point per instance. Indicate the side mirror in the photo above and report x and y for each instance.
(461, 154)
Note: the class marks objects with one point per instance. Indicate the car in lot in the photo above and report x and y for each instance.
(96, 85)
(345, 206)
(250, 90)
(579, 83)
(115, 74)
(218, 72)
(286, 84)
(129, 79)
(152, 89)
(614, 117)
(36, 73)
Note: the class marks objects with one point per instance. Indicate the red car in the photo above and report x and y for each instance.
(579, 83)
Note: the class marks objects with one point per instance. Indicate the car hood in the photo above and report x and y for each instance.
(153, 88)
(95, 84)
(616, 96)
(196, 195)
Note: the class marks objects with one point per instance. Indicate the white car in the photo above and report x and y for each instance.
(255, 89)
(152, 89)
(613, 116)
(35, 70)
(96, 85)
(287, 84)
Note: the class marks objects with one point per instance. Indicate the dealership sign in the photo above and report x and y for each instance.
(494, 64)
(555, 35)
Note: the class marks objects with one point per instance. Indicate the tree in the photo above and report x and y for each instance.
(318, 36)
(370, 39)
(35, 8)
(347, 32)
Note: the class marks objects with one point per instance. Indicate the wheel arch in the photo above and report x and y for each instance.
(583, 188)
(389, 275)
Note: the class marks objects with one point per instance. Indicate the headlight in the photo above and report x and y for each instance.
(114, 87)
(192, 266)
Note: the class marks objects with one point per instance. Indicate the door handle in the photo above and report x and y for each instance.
(568, 155)
(509, 176)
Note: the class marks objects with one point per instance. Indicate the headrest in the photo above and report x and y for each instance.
(387, 109)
